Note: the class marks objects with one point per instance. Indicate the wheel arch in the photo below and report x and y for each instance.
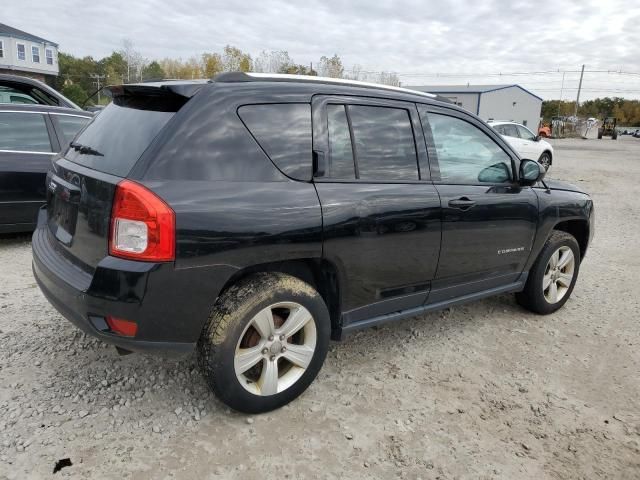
(579, 229)
(321, 274)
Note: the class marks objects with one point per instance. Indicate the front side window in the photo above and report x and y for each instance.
(35, 54)
(466, 154)
(283, 130)
(340, 149)
(49, 54)
(22, 51)
(69, 126)
(1, 49)
(24, 132)
(525, 133)
(383, 143)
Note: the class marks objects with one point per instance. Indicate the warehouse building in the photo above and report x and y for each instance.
(492, 102)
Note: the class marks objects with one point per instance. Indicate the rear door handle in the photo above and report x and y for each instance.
(462, 203)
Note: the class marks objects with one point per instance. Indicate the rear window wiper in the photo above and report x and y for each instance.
(84, 149)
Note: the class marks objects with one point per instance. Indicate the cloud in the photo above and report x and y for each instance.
(408, 37)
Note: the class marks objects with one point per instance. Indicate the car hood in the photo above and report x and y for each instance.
(559, 185)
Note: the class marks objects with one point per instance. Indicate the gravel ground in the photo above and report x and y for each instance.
(487, 390)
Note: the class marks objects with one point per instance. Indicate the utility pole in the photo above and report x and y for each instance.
(561, 90)
(575, 113)
(311, 68)
(96, 82)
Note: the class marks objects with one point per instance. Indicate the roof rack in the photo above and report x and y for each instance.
(231, 77)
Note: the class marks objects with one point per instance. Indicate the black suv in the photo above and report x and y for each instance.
(255, 217)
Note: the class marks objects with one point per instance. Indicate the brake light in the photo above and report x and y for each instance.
(122, 327)
(142, 225)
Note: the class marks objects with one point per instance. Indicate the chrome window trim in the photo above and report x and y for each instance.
(26, 151)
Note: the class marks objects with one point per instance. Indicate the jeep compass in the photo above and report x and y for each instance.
(255, 217)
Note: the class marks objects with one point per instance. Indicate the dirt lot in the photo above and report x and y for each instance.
(481, 391)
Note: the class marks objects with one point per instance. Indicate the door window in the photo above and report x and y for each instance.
(26, 132)
(525, 133)
(69, 126)
(340, 149)
(466, 154)
(508, 130)
(383, 143)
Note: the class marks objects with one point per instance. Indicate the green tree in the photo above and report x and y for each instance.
(212, 64)
(75, 93)
(235, 60)
(153, 71)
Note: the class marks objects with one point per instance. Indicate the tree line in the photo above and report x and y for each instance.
(79, 77)
(627, 112)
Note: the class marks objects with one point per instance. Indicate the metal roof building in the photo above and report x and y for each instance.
(497, 102)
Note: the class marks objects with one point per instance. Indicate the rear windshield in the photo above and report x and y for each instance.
(116, 138)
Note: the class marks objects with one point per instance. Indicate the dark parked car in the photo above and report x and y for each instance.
(255, 217)
(17, 89)
(30, 135)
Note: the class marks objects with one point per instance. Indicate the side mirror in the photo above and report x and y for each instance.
(531, 172)
(498, 173)
(536, 138)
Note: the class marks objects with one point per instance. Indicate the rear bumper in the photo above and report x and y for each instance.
(166, 303)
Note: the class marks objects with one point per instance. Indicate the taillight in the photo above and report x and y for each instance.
(142, 225)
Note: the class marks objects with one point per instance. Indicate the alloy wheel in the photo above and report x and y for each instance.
(558, 274)
(275, 349)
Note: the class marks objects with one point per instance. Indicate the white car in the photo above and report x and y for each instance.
(525, 142)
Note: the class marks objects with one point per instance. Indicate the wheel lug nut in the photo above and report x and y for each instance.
(281, 337)
(271, 338)
(283, 349)
(272, 358)
(264, 351)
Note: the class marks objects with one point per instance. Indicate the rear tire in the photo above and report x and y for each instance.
(254, 329)
(614, 136)
(599, 134)
(553, 275)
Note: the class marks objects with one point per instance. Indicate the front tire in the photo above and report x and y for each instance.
(545, 161)
(553, 275)
(265, 342)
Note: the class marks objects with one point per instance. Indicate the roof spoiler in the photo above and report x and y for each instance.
(186, 90)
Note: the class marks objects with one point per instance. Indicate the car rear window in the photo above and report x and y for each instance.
(283, 130)
(114, 140)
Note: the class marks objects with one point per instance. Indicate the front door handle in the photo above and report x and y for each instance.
(462, 203)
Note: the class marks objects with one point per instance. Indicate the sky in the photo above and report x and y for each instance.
(424, 42)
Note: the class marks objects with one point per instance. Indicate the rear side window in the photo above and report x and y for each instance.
(340, 149)
(26, 132)
(114, 140)
(283, 130)
(384, 143)
(69, 126)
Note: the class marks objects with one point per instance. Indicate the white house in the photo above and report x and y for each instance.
(24, 54)
(493, 102)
